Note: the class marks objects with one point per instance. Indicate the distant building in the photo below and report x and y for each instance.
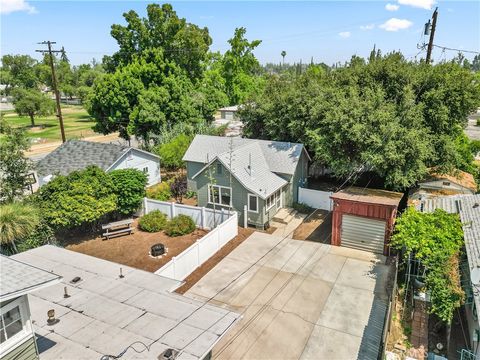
(78, 155)
(17, 335)
(437, 184)
(229, 112)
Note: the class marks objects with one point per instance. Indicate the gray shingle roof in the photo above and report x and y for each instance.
(18, 278)
(77, 155)
(105, 313)
(259, 179)
(281, 157)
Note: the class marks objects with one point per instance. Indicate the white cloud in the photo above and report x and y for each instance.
(345, 34)
(9, 6)
(395, 24)
(367, 27)
(392, 7)
(424, 4)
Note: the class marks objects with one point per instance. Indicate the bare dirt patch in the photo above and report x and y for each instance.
(133, 250)
(317, 227)
(194, 277)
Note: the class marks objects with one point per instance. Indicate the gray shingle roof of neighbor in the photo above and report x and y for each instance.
(468, 207)
(104, 313)
(18, 278)
(78, 154)
(229, 108)
(281, 157)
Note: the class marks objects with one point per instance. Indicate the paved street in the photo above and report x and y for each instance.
(299, 299)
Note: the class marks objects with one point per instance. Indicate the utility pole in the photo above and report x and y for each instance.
(54, 81)
(432, 34)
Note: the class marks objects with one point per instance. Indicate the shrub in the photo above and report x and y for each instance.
(129, 186)
(179, 188)
(180, 225)
(190, 194)
(160, 191)
(42, 235)
(171, 153)
(153, 221)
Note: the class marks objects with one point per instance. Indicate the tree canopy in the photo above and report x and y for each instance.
(32, 103)
(389, 116)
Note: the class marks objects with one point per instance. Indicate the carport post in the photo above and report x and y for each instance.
(203, 217)
(245, 220)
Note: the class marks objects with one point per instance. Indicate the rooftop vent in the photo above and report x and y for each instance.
(157, 250)
(168, 354)
(76, 279)
(475, 205)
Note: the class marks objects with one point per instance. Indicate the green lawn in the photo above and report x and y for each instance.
(76, 121)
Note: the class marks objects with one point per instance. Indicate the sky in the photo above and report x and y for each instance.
(327, 31)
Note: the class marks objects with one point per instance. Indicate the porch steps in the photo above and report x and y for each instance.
(284, 215)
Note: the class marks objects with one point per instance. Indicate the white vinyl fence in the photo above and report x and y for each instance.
(187, 261)
(315, 198)
(204, 218)
(223, 223)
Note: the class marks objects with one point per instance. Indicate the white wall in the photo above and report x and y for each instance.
(204, 218)
(190, 259)
(223, 223)
(315, 198)
(139, 160)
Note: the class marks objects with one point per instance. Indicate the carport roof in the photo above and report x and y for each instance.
(371, 196)
(104, 314)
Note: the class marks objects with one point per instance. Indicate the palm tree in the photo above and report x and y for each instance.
(283, 53)
(17, 221)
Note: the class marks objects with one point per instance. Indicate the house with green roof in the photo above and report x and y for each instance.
(256, 178)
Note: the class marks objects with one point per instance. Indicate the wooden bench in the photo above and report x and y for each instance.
(121, 227)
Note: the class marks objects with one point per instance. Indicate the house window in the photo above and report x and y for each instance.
(12, 320)
(145, 170)
(252, 203)
(219, 169)
(270, 201)
(220, 195)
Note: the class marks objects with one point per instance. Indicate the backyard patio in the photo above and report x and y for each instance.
(134, 250)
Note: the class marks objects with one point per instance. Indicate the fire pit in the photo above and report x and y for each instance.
(157, 250)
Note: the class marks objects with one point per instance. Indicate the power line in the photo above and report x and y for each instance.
(453, 49)
(54, 81)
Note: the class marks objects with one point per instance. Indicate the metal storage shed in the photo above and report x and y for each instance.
(363, 218)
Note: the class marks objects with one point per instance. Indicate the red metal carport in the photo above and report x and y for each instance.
(364, 218)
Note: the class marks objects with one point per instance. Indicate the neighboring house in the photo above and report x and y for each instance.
(78, 154)
(230, 118)
(256, 178)
(17, 336)
(467, 207)
(229, 112)
(437, 184)
(104, 308)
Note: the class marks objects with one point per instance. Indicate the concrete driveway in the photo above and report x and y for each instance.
(299, 300)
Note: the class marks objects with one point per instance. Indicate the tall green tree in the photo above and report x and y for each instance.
(32, 103)
(18, 71)
(241, 67)
(183, 43)
(14, 166)
(389, 116)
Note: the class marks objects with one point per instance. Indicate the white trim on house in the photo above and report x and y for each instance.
(219, 195)
(24, 334)
(248, 203)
